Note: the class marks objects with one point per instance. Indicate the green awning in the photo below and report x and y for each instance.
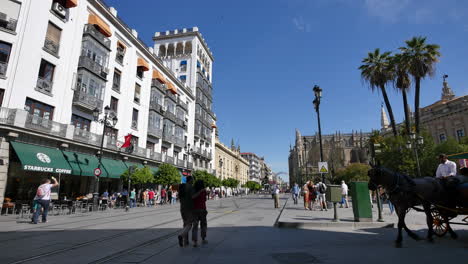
(83, 164)
(154, 169)
(114, 168)
(458, 156)
(137, 165)
(38, 158)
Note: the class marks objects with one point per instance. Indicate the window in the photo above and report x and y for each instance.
(168, 128)
(9, 14)
(179, 133)
(150, 145)
(180, 113)
(5, 49)
(136, 96)
(183, 66)
(170, 106)
(154, 121)
(460, 134)
(46, 71)
(94, 51)
(2, 93)
(116, 80)
(114, 104)
(119, 57)
(183, 78)
(90, 84)
(135, 119)
(52, 40)
(39, 109)
(112, 133)
(157, 96)
(81, 122)
(140, 72)
(134, 141)
(442, 137)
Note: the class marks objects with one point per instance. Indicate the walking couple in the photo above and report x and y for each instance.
(193, 211)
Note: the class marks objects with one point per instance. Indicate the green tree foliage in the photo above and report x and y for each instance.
(354, 172)
(167, 175)
(233, 183)
(209, 179)
(253, 186)
(139, 176)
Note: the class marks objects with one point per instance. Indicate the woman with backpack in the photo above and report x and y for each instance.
(42, 199)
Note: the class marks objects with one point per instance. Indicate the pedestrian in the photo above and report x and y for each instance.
(169, 195)
(174, 196)
(199, 212)
(133, 198)
(322, 188)
(276, 192)
(163, 196)
(344, 194)
(295, 192)
(305, 191)
(124, 198)
(312, 195)
(186, 210)
(145, 198)
(42, 199)
(151, 197)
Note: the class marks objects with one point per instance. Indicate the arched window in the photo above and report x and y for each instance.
(162, 51)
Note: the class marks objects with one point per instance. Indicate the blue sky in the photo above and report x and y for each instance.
(270, 53)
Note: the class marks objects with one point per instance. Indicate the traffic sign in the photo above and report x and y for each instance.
(323, 167)
(97, 172)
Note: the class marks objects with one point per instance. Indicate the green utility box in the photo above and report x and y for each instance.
(333, 193)
(362, 207)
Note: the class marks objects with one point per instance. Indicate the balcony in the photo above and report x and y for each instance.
(155, 132)
(168, 138)
(87, 101)
(156, 156)
(87, 137)
(44, 85)
(48, 126)
(197, 150)
(51, 46)
(3, 68)
(119, 57)
(169, 159)
(92, 31)
(198, 133)
(9, 24)
(189, 165)
(92, 66)
(179, 142)
(179, 122)
(180, 163)
(182, 105)
(171, 116)
(154, 105)
(161, 87)
(169, 94)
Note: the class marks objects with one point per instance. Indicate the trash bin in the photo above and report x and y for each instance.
(361, 202)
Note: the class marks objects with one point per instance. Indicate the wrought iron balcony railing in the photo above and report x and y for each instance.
(44, 85)
(155, 132)
(86, 100)
(93, 66)
(51, 46)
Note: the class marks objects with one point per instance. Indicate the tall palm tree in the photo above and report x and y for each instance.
(421, 59)
(375, 71)
(402, 82)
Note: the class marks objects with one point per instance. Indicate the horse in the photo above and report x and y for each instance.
(406, 193)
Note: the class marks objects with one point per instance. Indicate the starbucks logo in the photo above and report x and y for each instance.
(43, 157)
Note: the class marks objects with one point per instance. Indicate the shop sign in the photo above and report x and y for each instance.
(46, 169)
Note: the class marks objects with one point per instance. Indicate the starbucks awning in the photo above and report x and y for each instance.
(114, 168)
(38, 158)
(137, 165)
(83, 164)
(459, 156)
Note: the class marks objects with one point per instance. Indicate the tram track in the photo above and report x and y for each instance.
(125, 251)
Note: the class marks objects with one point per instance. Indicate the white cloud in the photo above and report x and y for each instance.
(300, 24)
(386, 10)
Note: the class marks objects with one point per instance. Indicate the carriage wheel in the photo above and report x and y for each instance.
(439, 224)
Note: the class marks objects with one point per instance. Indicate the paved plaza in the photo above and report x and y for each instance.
(241, 230)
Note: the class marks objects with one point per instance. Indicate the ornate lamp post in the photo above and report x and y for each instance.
(220, 167)
(318, 95)
(414, 143)
(109, 120)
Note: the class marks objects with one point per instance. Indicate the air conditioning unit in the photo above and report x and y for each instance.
(163, 109)
(59, 10)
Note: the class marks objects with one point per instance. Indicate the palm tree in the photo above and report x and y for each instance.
(375, 71)
(402, 82)
(421, 59)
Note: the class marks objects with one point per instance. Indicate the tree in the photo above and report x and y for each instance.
(139, 176)
(230, 182)
(375, 71)
(209, 179)
(167, 175)
(402, 82)
(253, 186)
(354, 172)
(421, 59)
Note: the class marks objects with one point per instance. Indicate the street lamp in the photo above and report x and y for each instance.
(109, 120)
(220, 167)
(414, 143)
(318, 95)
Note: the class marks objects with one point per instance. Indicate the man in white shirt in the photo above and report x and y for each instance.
(42, 199)
(344, 194)
(446, 167)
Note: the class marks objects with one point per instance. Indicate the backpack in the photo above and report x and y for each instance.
(322, 188)
(40, 192)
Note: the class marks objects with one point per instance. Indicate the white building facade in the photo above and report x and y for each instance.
(61, 61)
(255, 166)
(186, 53)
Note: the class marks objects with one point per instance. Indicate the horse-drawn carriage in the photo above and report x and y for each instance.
(443, 216)
(410, 193)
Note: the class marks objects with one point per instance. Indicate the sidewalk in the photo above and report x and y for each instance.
(295, 216)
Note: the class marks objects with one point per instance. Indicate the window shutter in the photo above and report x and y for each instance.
(53, 33)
